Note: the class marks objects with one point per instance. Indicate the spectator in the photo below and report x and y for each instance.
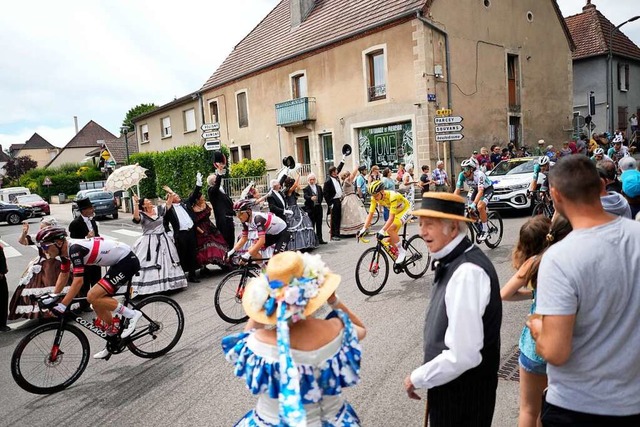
(630, 184)
(612, 202)
(610, 175)
(593, 144)
(361, 183)
(303, 236)
(539, 150)
(581, 145)
(505, 154)
(573, 147)
(496, 156)
(84, 226)
(565, 150)
(4, 292)
(484, 160)
(221, 202)
(586, 321)
(333, 196)
(353, 211)
(400, 173)
(374, 175)
(551, 153)
(425, 179)
(313, 205)
(439, 177)
(633, 121)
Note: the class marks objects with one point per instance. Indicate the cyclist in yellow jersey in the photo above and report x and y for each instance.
(399, 208)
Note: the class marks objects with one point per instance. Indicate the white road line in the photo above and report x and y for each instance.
(10, 251)
(126, 232)
(108, 237)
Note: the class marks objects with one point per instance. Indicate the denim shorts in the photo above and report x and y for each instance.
(531, 366)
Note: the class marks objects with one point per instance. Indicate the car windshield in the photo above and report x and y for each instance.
(508, 167)
(100, 195)
(523, 168)
(30, 198)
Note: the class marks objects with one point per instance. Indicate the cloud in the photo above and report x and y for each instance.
(57, 136)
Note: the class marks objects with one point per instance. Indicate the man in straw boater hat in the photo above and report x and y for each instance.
(462, 326)
(299, 368)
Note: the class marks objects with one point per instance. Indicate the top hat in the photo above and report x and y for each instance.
(442, 205)
(84, 204)
(346, 150)
(219, 157)
(289, 162)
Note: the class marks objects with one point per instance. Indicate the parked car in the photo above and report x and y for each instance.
(103, 202)
(14, 214)
(511, 179)
(38, 205)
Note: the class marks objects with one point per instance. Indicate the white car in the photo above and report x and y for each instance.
(511, 180)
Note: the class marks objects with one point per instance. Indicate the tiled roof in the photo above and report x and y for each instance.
(274, 40)
(36, 142)
(89, 135)
(4, 157)
(590, 31)
(118, 149)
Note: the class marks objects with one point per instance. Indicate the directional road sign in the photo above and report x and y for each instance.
(210, 126)
(447, 120)
(449, 128)
(211, 134)
(212, 144)
(449, 137)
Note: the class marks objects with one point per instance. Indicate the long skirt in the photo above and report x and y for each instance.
(159, 265)
(39, 278)
(212, 248)
(353, 215)
(303, 236)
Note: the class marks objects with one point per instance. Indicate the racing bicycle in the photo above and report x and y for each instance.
(54, 355)
(494, 222)
(228, 296)
(543, 205)
(372, 269)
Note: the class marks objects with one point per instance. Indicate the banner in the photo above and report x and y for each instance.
(386, 145)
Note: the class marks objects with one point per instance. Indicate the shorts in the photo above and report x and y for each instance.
(120, 274)
(486, 196)
(402, 217)
(280, 241)
(532, 366)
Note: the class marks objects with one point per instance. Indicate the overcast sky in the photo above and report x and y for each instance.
(96, 59)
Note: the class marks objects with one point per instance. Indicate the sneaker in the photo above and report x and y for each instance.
(483, 236)
(102, 354)
(132, 324)
(401, 257)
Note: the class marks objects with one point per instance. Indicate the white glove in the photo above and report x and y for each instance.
(343, 157)
(50, 299)
(246, 256)
(381, 234)
(59, 309)
(199, 179)
(361, 232)
(288, 212)
(230, 253)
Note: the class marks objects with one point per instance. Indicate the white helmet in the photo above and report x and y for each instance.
(469, 163)
(598, 152)
(543, 160)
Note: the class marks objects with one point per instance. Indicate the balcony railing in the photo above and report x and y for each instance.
(377, 92)
(294, 112)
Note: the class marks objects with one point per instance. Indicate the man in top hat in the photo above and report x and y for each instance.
(462, 326)
(313, 204)
(220, 201)
(333, 196)
(84, 226)
(275, 199)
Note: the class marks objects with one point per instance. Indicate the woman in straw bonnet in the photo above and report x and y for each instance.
(299, 368)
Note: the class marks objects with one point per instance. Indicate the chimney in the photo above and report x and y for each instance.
(75, 121)
(300, 9)
(588, 6)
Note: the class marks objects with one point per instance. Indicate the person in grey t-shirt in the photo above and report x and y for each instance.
(588, 308)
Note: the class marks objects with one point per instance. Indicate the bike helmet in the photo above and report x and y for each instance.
(599, 151)
(243, 205)
(375, 187)
(543, 160)
(50, 234)
(469, 163)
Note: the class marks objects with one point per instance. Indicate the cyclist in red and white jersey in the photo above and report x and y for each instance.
(75, 254)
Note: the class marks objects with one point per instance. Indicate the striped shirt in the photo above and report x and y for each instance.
(439, 176)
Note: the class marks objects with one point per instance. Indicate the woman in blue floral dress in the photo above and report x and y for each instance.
(298, 369)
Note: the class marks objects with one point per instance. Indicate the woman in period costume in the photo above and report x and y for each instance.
(159, 263)
(212, 248)
(299, 369)
(353, 211)
(303, 235)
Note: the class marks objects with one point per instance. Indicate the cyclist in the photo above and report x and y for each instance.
(542, 165)
(399, 208)
(481, 190)
(598, 155)
(271, 230)
(618, 151)
(78, 253)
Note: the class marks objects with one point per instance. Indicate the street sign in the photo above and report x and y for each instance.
(212, 144)
(210, 126)
(449, 137)
(449, 128)
(110, 163)
(105, 154)
(447, 120)
(211, 134)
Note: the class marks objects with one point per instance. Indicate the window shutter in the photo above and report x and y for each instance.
(619, 75)
(626, 76)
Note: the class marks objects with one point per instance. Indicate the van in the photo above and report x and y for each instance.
(8, 195)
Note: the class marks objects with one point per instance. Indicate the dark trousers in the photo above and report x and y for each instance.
(315, 214)
(228, 231)
(186, 245)
(4, 301)
(336, 217)
(92, 274)
(280, 240)
(468, 402)
(553, 416)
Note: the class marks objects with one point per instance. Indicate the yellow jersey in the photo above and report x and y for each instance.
(393, 200)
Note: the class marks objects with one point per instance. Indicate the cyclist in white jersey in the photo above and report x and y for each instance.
(481, 190)
(78, 253)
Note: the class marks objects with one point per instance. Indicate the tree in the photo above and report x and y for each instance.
(18, 166)
(136, 111)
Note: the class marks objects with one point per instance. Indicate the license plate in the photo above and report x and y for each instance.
(496, 198)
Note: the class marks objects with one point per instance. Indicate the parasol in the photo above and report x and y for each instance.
(125, 177)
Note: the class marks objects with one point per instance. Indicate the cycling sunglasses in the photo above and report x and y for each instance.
(45, 246)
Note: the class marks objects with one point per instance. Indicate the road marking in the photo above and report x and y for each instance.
(108, 237)
(9, 251)
(131, 233)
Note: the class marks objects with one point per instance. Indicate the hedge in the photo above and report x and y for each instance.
(64, 179)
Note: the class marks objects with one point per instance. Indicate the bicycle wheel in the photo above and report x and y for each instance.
(418, 257)
(41, 367)
(376, 217)
(372, 271)
(495, 230)
(159, 329)
(538, 209)
(228, 296)
(471, 231)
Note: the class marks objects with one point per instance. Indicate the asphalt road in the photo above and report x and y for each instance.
(194, 385)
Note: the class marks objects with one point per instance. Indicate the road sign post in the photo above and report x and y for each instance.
(212, 144)
(214, 134)
(210, 126)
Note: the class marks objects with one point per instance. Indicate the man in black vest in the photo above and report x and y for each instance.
(84, 226)
(333, 196)
(277, 205)
(313, 204)
(462, 326)
(182, 220)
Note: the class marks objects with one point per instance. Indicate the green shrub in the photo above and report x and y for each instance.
(248, 168)
(177, 168)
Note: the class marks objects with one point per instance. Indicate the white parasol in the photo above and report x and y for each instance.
(125, 177)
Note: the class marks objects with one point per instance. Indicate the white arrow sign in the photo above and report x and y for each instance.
(210, 126)
(449, 137)
(212, 134)
(447, 120)
(449, 128)
(212, 144)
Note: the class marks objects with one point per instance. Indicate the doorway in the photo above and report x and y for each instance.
(303, 152)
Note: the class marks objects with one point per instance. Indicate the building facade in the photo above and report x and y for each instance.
(38, 149)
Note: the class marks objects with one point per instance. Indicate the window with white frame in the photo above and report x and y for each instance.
(243, 113)
(299, 85)
(166, 127)
(376, 75)
(189, 117)
(623, 77)
(213, 111)
(144, 133)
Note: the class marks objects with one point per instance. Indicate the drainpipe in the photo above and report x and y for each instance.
(448, 71)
